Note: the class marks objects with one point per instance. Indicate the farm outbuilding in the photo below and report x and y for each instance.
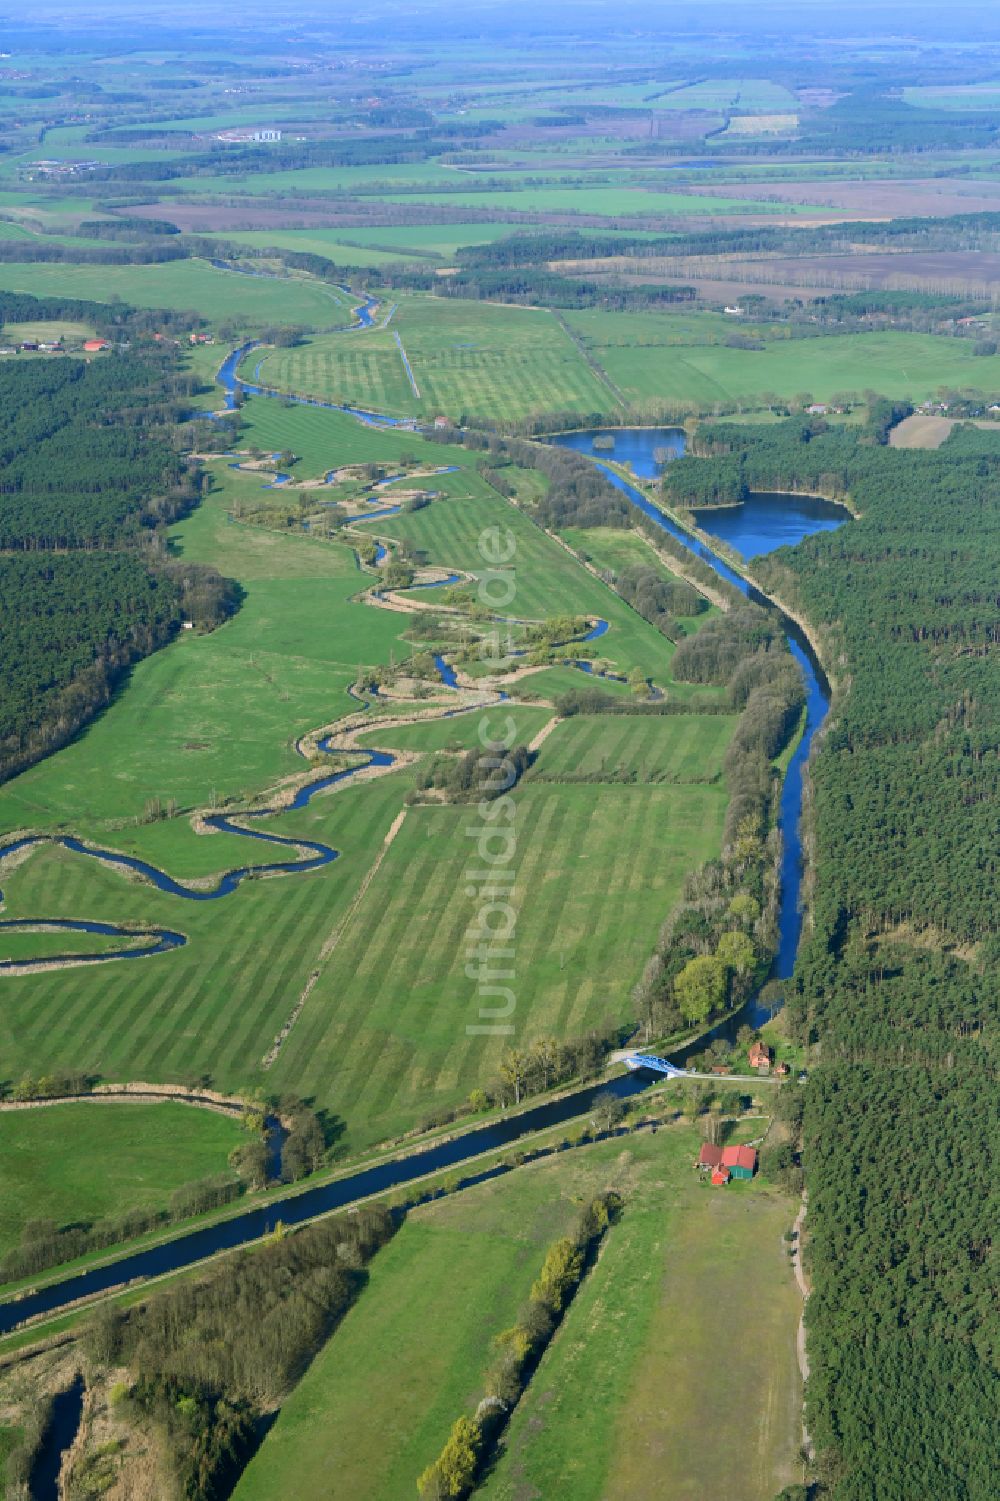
(740, 1161)
(727, 1162)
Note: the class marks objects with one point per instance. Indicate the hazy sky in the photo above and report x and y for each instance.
(963, 23)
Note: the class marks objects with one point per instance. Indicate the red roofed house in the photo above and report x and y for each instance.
(720, 1177)
(709, 1156)
(93, 345)
(759, 1055)
(741, 1161)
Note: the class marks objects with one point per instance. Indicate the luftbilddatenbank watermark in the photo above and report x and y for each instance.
(491, 936)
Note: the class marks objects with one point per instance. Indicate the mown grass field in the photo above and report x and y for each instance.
(83, 1162)
(464, 732)
(674, 1371)
(547, 579)
(195, 285)
(213, 1007)
(361, 367)
(544, 579)
(454, 1277)
(675, 748)
(383, 1036)
(323, 440)
(892, 363)
(382, 1039)
(466, 358)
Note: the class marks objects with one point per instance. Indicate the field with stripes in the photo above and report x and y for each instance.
(680, 748)
(211, 722)
(467, 359)
(323, 440)
(384, 1037)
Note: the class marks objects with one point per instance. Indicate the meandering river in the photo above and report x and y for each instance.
(746, 527)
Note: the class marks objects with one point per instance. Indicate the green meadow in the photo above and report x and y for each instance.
(461, 733)
(697, 374)
(610, 548)
(212, 720)
(455, 1275)
(79, 1163)
(685, 748)
(195, 285)
(323, 440)
(383, 1036)
(216, 717)
(16, 946)
(546, 579)
(666, 1378)
(616, 1408)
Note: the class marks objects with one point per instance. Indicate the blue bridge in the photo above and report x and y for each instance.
(654, 1065)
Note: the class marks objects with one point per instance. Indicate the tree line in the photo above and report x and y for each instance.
(208, 1356)
(897, 973)
(518, 1350)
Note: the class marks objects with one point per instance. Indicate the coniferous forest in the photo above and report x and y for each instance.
(897, 974)
(88, 473)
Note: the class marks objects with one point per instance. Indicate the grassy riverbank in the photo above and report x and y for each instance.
(80, 1163)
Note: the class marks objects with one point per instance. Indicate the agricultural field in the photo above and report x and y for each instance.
(892, 363)
(958, 96)
(324, 440)
(608, 1417)
(684, 748)
(465, 358)
(79, 1163)
(213, 295)
(55, 328)
(604, 202)
(455, 1276)
(547, 578)
(374, 1045)
(384, 1034)
(737, 94)
(761, 125)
